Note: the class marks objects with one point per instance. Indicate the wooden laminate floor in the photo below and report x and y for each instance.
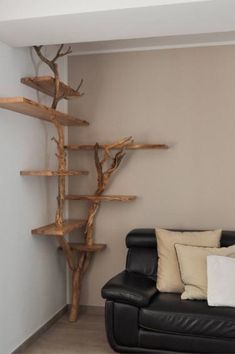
(86, 336)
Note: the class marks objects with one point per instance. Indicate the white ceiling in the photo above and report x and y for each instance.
(14, 9)
(116, 23)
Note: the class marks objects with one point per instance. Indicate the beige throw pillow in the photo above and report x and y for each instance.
(193, 268)
(168, 273)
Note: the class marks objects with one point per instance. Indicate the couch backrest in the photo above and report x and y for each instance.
(142, 250)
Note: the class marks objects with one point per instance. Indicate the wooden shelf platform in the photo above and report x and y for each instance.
(90, 147)
(101, 198)
(34, 109)
(48, 173)
(82, 247)
(46, 85)
(53, 230)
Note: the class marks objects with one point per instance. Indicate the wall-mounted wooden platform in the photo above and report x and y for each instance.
(100, 198)
(34, 109)
(90, 147)
(53, 230)
(82, 247)
(48, 173)
(46, 84)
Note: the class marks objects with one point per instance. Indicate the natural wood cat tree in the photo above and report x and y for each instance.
(78, 255)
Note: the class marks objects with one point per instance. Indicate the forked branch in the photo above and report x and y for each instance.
(103, 177)
(54, 67)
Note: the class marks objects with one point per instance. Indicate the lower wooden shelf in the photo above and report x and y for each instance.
(53, 230)
(82, 247)
(48, 173)
(101, 198)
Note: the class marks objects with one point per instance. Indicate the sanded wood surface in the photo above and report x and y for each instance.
(48, 173)
(33, 109)
(53, 230)
(96, 247)
(133, 146)
(46, 84)
(101, 198)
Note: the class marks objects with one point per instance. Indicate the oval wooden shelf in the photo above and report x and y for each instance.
(90, 147)
(48, 173)
(82, 247)
(33, 109)
(102, 198)
(46, 85)
(53, 230)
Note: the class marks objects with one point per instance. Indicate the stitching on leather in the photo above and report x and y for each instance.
(128, 258)
(201, 315)
(187, 334)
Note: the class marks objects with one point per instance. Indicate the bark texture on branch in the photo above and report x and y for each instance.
(112, 162)
(53, 65)
(76, 266)
(61, 156)
(106, 165)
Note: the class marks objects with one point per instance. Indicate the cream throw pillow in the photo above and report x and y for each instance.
(168, 273)
(193, 268)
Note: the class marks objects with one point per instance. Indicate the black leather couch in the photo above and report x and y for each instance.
(141, 320)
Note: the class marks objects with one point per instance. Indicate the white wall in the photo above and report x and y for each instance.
(32, 270)
(183, 97)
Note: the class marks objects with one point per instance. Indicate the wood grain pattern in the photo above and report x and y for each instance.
(33, 109)
(53, 230)
(82, 247)
(76, 287)
(102, 198)
(46, 85)
(91, 147)
(48, 173)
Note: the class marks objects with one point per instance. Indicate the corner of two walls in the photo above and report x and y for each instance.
(183, 97)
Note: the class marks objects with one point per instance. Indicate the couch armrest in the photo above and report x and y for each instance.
(130, 288)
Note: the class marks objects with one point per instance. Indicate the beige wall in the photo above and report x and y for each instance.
(183, 97)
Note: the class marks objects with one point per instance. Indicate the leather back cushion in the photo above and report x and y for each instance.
(142, 255)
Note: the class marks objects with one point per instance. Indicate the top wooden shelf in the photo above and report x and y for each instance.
(34, 109)
(46, 84)
(128, 147)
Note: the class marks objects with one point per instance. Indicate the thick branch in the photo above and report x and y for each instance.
(103, 177)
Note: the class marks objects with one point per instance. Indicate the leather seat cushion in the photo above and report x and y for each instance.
(168, 313)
